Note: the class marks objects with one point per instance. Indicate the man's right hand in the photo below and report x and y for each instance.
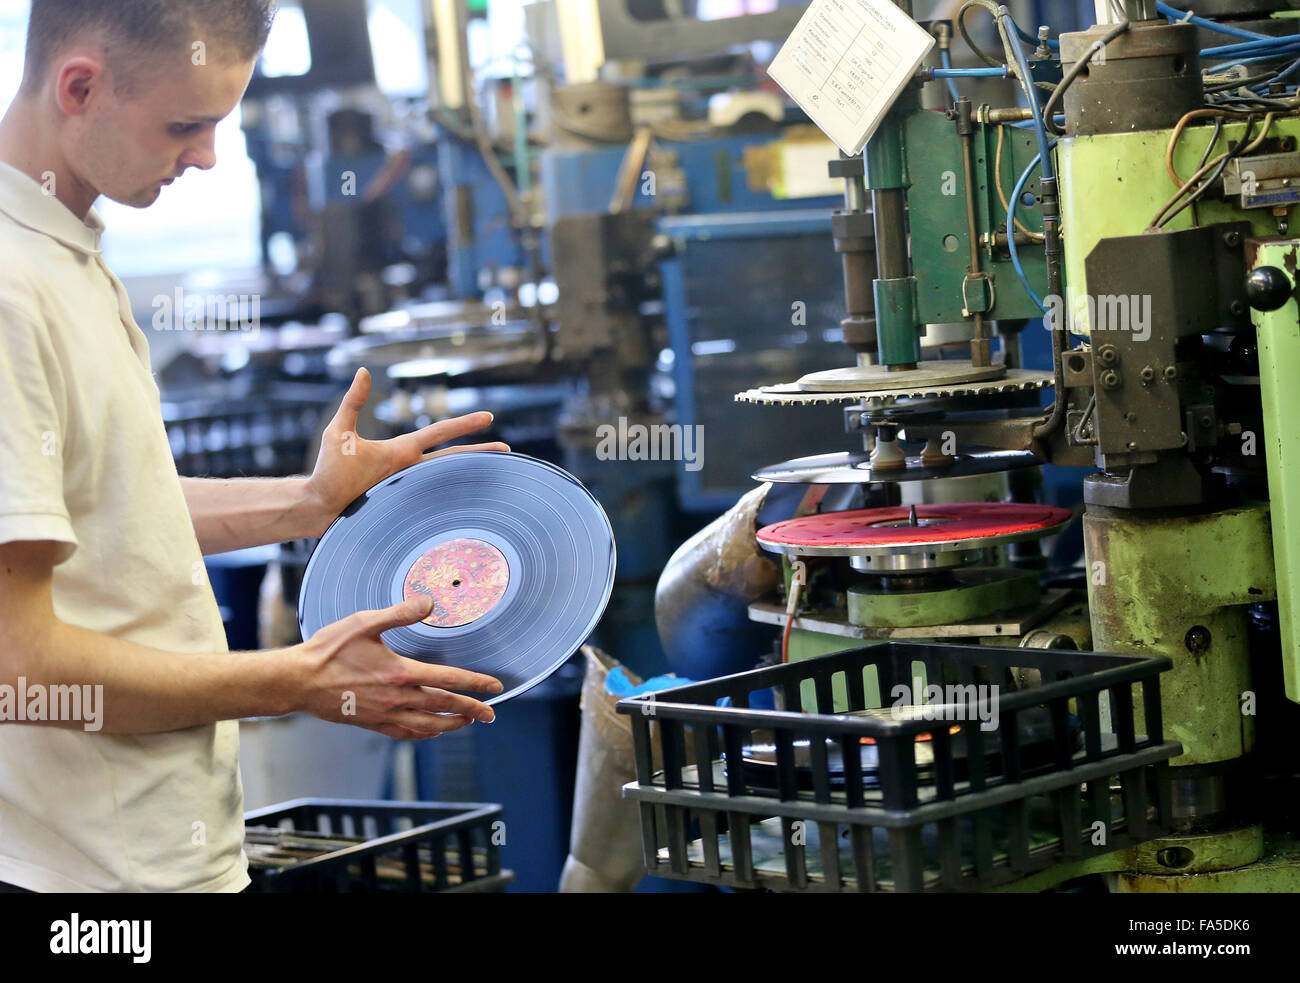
(349, 676)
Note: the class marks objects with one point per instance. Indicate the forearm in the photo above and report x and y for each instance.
(126, 688)
(235, 513)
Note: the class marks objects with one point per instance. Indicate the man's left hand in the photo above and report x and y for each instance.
(348, 464)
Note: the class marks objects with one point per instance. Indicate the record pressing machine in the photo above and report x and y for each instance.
(1144, 210)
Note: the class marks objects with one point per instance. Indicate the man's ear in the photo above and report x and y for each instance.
(78, 80)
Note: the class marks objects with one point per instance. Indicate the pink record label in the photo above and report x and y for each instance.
(465, 577)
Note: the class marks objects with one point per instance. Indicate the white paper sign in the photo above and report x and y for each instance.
(846, 62)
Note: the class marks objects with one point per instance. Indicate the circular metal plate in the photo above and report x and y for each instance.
(789, 395)
(854, 468)
(531, 548)
(871, 378)
(962, 526)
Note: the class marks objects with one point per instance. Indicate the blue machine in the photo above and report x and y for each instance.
(776, 310)
(475, 219)
(750, 328)
(721, 333)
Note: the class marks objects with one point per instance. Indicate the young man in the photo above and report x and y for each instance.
(101, 576)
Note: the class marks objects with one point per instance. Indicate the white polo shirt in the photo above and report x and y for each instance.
(85, 462)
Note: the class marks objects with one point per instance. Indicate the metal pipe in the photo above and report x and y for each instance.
(1141, 10)
(980, 349)
(1060, 333)
(1016, 114)
(855, 194)
(888, 220)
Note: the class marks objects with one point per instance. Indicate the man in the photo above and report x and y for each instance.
(101, 576)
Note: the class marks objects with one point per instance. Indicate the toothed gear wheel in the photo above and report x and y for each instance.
(792, 395)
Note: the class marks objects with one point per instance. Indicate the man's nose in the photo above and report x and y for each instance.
(203, 156)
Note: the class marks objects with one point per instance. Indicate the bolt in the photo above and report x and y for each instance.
(1236, 308)
(1206, 420)
(1130, 417)
(1197, 639)
(1132, 445)
(1108, 355)
(1171, 373)
(1232, 239)
(1110, 379)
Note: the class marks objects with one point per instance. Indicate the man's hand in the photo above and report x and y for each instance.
(343, 673)
(348, 465)
(349, 676)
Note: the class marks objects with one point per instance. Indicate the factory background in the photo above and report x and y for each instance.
(596, 220)
(353, 206)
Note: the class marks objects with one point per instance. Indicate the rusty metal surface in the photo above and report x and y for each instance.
(1178, 587)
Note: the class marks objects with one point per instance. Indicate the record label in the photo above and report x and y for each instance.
(465, 578)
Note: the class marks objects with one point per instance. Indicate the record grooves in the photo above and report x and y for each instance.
(517, 555)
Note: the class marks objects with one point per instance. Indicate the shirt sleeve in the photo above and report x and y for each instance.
(32, 435)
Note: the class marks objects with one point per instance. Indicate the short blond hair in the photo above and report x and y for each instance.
(131, 30)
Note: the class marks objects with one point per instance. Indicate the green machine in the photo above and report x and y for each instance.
(1161, 250)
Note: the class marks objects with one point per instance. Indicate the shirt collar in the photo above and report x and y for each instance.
(24, 200)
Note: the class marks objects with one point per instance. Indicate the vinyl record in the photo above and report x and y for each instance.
(854, 467)
(919, 528)
(517, 554)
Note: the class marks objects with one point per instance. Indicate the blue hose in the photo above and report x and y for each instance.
(1011, 231)
(969, 73)
(1279, 77)
(1250, 61)
(1251, 47)
(946, 60)
(1183, 17)
(1031, 96)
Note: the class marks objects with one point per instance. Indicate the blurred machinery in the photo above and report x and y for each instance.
(625, 226)
(1140, 200)
(589, 240)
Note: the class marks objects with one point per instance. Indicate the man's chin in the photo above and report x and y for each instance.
(138, 199)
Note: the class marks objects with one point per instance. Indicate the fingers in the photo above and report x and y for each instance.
(353, 401)
(496, 445)
(449, 677)
(445, 430)
(429, 724)
(440, 701)
(413, 725)
(406, 612)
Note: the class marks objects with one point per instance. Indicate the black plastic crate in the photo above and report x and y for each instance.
(326, 846)
(763, 797)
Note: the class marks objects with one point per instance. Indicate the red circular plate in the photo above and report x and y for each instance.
(937, 524)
